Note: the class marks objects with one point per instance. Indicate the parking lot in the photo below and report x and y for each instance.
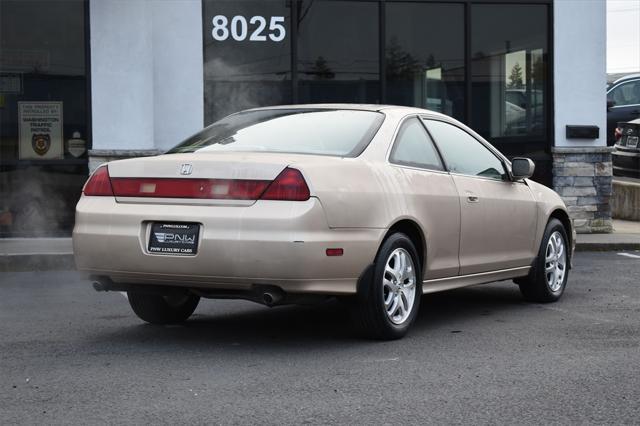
(477, 356)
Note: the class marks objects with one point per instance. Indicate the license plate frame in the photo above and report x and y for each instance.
(632, 141)
(174, 238)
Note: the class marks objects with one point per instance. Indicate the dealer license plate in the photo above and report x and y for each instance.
(174, 238)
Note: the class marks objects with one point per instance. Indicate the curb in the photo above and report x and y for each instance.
(608, 246)
(36, 262)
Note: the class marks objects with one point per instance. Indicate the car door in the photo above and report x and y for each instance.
(429, 196)
(497, 216)
(623, 105)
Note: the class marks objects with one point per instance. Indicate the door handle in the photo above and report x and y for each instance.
(473, 198)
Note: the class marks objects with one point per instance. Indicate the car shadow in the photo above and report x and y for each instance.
(241, 324)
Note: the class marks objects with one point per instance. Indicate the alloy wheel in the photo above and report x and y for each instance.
(555, 262)
(399, 286)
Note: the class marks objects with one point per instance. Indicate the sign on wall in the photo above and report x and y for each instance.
(11, 83)
(40, 130)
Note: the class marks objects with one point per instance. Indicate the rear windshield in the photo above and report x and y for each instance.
(344, 133)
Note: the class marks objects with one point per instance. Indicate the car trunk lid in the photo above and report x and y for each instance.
(196, 178)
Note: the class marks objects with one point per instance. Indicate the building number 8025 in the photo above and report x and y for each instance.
(238, 29)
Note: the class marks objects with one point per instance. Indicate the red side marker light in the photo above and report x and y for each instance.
(335, 252)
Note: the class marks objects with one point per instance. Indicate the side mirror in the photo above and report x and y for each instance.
(522, 168)
(610, 104)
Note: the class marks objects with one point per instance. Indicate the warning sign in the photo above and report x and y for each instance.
(40, 130)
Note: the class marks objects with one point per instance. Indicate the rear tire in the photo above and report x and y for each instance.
(160, 309)
(548, 278)
(387, 305)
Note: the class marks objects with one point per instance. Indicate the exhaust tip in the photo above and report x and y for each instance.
(272, 297)
(101, 283)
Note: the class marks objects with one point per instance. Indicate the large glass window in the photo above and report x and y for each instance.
(247, 55)
(463, 153)
(43, 116)
(338, 51)
(424, 56)
(509, 70)
(413, 147)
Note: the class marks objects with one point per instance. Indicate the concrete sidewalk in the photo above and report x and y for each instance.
(36, 254)
(41, 254)
(625, 236)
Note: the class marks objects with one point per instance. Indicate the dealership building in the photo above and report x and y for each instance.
(88, 81)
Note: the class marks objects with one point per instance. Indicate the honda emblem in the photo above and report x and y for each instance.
(186, 169)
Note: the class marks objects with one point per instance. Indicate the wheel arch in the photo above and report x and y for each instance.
(415, 233)
(564, 218)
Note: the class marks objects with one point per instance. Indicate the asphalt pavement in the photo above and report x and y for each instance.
(478, 355)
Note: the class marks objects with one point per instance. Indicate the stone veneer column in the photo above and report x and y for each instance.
(582, 176)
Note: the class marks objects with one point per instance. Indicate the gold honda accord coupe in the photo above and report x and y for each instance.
(376, 205)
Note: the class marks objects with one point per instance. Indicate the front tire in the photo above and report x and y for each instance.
(548, 279)
(161, 309)
(387, 305)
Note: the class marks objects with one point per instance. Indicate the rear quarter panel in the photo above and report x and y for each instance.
(363, 194)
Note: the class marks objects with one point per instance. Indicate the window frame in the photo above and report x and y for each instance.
(396, 142)
(503, 161)
(617, 86)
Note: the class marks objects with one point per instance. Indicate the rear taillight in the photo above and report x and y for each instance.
(99, 184)
(618, 133)
(288, 186)
(216, 189)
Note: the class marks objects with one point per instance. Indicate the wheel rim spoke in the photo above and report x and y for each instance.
(388, 299)
(391, 272)
(394, 307)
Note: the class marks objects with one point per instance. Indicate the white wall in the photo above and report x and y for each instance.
(178, 70)
(121, 75)
(146, 72)
(580, 68)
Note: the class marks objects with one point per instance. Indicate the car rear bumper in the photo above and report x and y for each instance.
(268, 243)
(626, 163)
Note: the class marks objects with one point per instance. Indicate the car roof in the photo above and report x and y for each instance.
(356, 107)
(626, 77)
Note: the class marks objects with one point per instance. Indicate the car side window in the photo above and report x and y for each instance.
(463, 153)
(414, 147)
(626, 94)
